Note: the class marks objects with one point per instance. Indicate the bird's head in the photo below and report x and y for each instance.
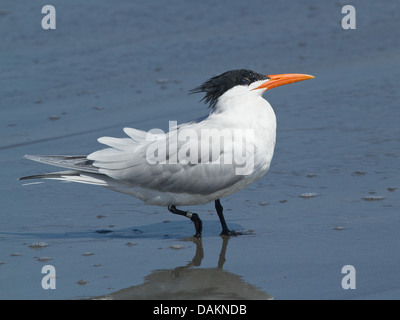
(242, 81)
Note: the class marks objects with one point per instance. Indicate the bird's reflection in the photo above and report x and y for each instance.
(192, 283)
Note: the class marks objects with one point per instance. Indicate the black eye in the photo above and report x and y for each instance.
(245, 81)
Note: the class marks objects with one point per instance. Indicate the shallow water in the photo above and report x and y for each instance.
(330, 199)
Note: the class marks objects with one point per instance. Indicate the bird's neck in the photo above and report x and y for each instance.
(256, 119)
(246, 112)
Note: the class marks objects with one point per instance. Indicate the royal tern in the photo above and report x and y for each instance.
(195, 162)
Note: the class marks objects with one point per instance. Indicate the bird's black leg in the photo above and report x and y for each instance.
(225, 230)
(198, 224)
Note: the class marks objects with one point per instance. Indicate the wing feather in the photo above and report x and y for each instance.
(69, 162)
(131, 161)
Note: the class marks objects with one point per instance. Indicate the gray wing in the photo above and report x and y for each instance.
(79, 163)
(127, 160)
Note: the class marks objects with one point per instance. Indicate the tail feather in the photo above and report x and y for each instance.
(79, 163)
(81, 170)
(52, 175)
(72, 176)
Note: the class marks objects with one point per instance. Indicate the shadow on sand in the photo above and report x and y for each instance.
(192, 283)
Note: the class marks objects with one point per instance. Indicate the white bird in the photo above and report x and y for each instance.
(196, 162)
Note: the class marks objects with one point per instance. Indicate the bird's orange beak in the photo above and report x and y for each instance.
(277, 80)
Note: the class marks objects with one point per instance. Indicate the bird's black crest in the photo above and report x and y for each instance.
(218, 85)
